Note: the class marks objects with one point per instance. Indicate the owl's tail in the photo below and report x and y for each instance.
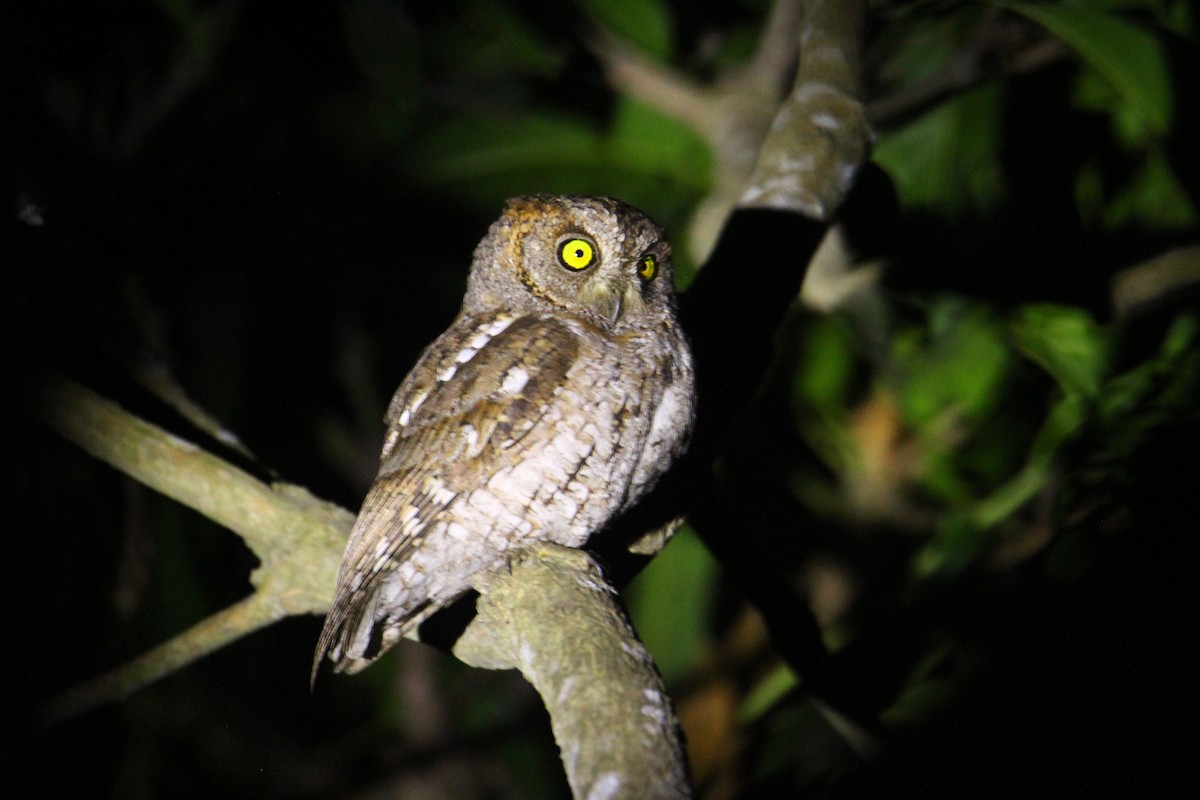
(355, 635)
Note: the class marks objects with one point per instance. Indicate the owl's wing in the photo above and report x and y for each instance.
(472, 397)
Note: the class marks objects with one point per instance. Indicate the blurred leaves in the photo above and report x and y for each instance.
(1067, 343)
(932, 447)
(948, 160)
(955, 364)
(486, 159)
(647, 24)
(671, 603)
(978, 444)
(1129, 57)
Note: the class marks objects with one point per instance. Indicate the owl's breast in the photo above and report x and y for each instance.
(627, 410)
(593, 423)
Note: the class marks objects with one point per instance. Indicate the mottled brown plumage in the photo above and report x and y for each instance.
(559, 395)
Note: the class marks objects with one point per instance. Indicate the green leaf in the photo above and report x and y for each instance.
(645, 23)
(948, 159)
(384, 44)
(767, 692)
(487, 159)
(1065, 419)
(644, 158)
(643, 140)
(966, 532)
(1141, 398)
(827, 364)
(1154, 199)
(1180, 337)
(670, 602)
(930, 687)
(1128, 56)
(1067, 343)
(959, 369)
(956, 545)
(486, 40)
(470, 147)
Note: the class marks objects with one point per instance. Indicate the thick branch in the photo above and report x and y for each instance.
(554, 617)
(732, 114)
(296, 536)
(818, 140)
(820, 137)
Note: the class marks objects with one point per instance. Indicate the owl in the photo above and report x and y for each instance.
(561, 392)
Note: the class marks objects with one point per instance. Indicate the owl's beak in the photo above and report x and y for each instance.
(618, 308)
(613, 298)
(606, 298)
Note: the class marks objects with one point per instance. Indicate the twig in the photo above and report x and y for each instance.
(775, 56)
(642, 78)
(995, 39)
(296, 537)
(732, 114)
(211, 634)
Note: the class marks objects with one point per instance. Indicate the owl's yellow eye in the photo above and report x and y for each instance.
(648, 267)
(576, 254)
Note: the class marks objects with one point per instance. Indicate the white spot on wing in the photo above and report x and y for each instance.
(441, 495)
(483, 335)
(472, 436)
(407, 413)
(500, 324)
(515, 380)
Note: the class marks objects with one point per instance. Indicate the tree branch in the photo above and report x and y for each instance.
(1008, 43)
(732, 114)
(672, 92)
(819, 137)
(555, 617)
(209, 635)
(798, 185)
(297, 537)
(609, 710)
(551, 614)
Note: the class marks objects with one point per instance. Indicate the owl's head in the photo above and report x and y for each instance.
(594, 257)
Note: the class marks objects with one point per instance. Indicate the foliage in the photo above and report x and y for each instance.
(965, 472)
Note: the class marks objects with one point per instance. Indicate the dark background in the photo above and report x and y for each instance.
(263, 199)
